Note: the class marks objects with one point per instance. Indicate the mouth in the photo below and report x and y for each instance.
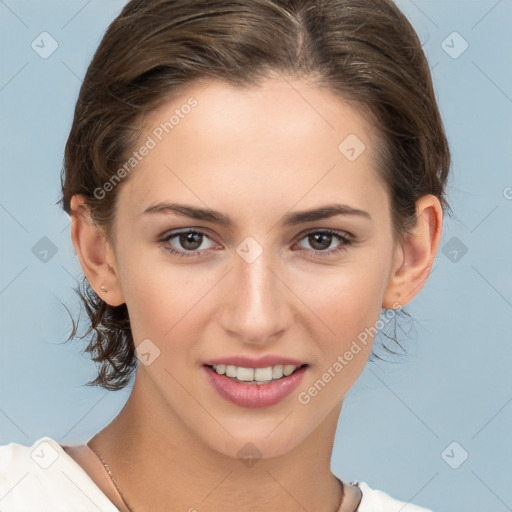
(251, 386)
(255, 376)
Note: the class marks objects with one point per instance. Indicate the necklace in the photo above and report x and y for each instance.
(111, 476)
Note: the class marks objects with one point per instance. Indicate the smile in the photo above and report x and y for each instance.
(254, 387)
(255, 375)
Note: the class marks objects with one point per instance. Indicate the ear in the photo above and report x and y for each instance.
(95, 253)
(415, 256)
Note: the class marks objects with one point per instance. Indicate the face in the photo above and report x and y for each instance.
(259, 284)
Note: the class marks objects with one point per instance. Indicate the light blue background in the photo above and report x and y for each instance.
(455, 382)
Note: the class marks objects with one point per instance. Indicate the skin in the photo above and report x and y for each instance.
(254, 154)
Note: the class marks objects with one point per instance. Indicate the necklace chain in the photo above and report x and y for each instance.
(111, 476)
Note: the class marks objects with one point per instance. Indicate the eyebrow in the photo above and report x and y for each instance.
(290, 219)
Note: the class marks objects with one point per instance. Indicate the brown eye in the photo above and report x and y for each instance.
(320, 241)
(191, 240)
(186, 243)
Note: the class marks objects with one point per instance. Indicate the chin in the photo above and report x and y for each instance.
(273, 436)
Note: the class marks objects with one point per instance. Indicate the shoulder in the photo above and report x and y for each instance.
(43, 477)
(378, 501)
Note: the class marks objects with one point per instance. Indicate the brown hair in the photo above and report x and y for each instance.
(364, 51)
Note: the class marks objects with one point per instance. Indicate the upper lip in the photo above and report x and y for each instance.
(249, 362)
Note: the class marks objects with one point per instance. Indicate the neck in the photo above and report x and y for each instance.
(156, 460)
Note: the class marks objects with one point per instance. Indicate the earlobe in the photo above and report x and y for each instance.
(415, 256)
(94, 253)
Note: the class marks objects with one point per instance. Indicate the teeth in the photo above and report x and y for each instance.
(230, 371)
(288, 369)
(258, 375)
(245, 374)
(263, 374)
(277, 371)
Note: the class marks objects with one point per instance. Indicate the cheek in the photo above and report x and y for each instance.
(346, 299)
(348, 306)
(160, 297)
(347, 302)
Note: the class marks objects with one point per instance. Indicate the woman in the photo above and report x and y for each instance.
(250, 185)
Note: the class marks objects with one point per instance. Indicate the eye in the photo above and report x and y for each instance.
(192, 242)
(186, 243)
(319, 241)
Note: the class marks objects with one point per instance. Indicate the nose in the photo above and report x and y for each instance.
(257, 309)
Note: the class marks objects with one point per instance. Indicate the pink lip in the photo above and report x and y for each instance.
(247, 362)
(254, 395)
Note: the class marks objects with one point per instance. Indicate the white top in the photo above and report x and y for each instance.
(44, 478)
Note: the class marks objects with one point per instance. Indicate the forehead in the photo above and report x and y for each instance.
(277, 113)
(279, 141)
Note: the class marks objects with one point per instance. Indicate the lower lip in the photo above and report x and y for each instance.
(254, 395)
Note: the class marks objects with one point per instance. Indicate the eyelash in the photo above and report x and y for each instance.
(343, 239)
